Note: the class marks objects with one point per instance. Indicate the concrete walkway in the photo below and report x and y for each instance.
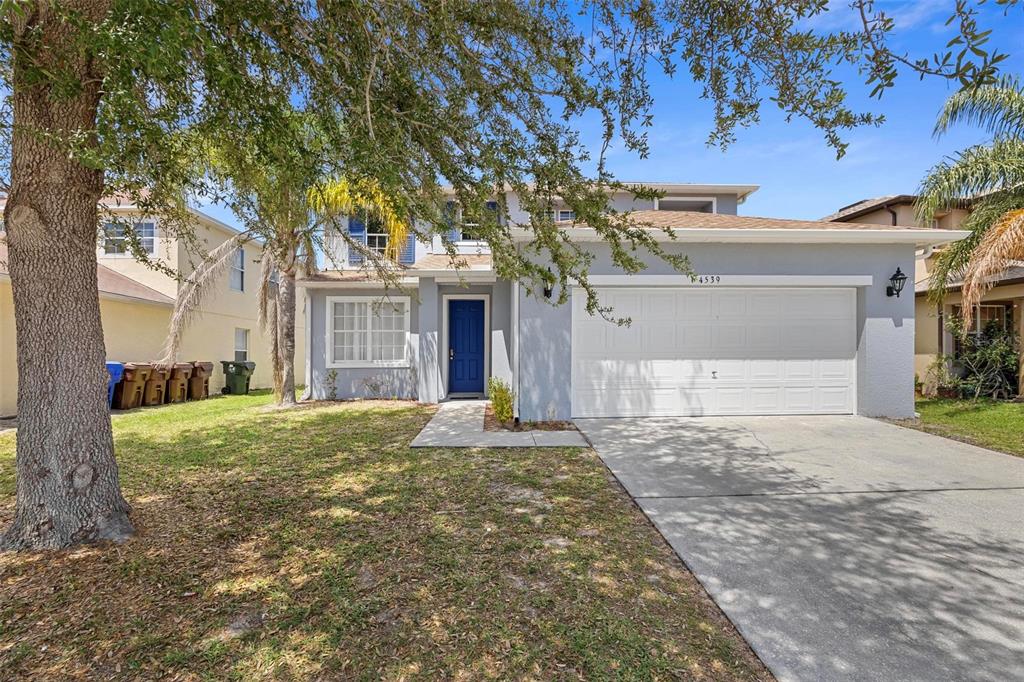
(460, 424)
(843, 548)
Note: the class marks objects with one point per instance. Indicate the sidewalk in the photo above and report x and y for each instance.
(460, 424)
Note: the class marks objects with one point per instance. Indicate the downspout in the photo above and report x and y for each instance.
(515, 349)
(892, 213)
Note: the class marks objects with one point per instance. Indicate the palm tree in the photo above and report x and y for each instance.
(289, 211)
(991, 175)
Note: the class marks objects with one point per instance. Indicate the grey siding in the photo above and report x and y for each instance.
(368, 382)
(885, 326)
(423, 379)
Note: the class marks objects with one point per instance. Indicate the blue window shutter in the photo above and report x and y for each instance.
(357, 231)
(408, 253)
(454, 233)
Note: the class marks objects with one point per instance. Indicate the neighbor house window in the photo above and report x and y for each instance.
(241, 344)
(237, 280)
(364, 331)
(986, 317)
(115, 241)
(565, 216)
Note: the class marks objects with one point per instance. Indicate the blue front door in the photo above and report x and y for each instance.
(466, 346)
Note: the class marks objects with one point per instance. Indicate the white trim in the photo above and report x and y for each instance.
(362, 364)
(308, 326)
(685, 197)
(443, 355)
(356, 284)
(685, 235)
(731, 281)
(515, 348)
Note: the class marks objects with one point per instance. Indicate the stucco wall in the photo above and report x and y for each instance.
(885, 326)
(8, 352)
(423, 380)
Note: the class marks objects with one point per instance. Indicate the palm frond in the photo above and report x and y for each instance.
(1001, 245)
(952, 262)
(997, 108)
(195, 290)
(978, 170)
(342, 196)
(264, 294)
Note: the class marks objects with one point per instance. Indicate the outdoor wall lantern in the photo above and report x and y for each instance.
(896, 283)
(549, 284)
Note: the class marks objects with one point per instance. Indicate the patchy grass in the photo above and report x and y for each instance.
(314, 544)
(990, 424)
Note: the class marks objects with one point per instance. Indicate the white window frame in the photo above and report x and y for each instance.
(686, 197)
(379, 234)
(331, 363)
(235, 267)
(244, 350)
(571, 218)
(135, 224)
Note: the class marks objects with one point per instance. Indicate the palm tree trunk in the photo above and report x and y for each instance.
(67, 479)
(286, 331)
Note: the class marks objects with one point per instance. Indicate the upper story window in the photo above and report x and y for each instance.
(115, 241)
(237, 277)
(376, 238)
(685, 203)
(466, 223)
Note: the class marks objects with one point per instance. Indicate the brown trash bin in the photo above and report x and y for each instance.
(156, 386)
(177, 384)
(199, 384)
(129, 391)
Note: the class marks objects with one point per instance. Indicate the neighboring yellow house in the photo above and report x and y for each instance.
(1004, 303)
(136, 302)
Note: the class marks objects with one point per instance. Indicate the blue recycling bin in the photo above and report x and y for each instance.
(115, 370)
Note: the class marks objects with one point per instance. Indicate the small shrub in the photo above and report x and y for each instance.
(502, 399)
(332, 384)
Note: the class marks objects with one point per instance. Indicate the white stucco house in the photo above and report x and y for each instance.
(784, 317)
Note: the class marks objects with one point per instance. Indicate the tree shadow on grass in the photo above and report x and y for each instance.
(317, 544)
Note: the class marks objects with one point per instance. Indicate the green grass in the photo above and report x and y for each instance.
(990, 424)
(351, 556)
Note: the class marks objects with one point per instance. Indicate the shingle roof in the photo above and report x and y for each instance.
(682, 220)
(442, 261)
(863, 206)
(110, 282)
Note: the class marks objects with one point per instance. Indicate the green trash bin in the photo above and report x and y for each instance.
(236, 376)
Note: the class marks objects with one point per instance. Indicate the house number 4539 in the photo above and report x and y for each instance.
(709, 279)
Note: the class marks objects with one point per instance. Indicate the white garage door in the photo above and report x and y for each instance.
(692, 351)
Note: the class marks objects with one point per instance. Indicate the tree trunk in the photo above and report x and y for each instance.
(286, 332)
(67, 478)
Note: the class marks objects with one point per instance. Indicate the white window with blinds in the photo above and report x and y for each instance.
(367, 331)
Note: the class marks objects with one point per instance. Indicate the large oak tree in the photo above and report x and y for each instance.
(107, 96)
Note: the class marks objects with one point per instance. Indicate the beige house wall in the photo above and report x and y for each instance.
(8, 352)
(137, 331)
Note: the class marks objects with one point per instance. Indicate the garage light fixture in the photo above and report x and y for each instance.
(896, 283)
(549, 284)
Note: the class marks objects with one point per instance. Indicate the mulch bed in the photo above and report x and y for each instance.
(491, 423)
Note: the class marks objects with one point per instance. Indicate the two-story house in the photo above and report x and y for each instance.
(136, 302)
(1002, 305)
(783, 317)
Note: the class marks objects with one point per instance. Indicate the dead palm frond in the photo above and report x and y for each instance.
(999, 248)
(195, 290)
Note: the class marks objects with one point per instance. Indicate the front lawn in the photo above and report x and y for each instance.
(990, 424)
(314, 544)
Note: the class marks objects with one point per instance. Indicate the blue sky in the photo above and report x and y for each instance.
(798, 174)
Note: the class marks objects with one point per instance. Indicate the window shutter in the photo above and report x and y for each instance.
(454, 233)
(408, 253)
(357, 231)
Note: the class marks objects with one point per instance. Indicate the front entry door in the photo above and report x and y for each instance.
(466, 346)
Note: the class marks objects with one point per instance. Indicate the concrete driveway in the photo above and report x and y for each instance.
(841, 547)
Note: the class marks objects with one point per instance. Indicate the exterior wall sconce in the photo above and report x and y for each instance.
(548, 285)
(896, 283)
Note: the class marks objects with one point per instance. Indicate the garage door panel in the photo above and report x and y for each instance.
(704, 352)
